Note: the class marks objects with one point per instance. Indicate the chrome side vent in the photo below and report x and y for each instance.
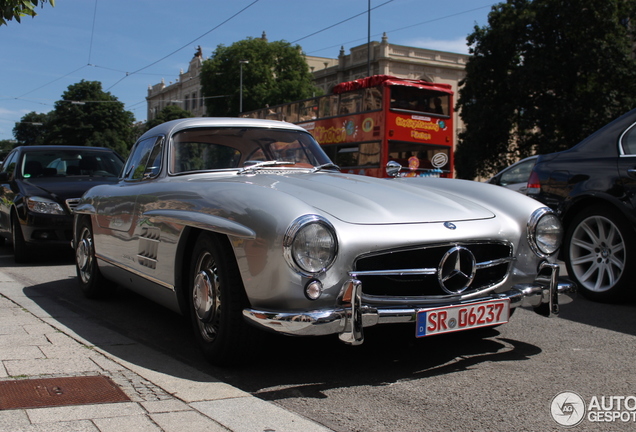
(149, 247)
(72, 203)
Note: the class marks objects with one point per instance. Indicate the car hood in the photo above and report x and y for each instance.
(62, 189)
(369, 200)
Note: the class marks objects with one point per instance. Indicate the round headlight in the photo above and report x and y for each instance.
(310, 244)
(545, 232)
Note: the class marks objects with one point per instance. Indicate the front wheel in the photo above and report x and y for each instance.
(91, 281)
(217, 299)
(599, 254)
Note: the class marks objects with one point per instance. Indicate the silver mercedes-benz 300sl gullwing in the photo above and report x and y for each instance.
(241, 224)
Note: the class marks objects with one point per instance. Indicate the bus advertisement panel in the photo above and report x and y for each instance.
(353, 142)
(368, 122)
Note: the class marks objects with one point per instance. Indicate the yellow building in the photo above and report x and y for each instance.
(386, 59)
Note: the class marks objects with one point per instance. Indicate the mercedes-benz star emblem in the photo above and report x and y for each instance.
(456, 270)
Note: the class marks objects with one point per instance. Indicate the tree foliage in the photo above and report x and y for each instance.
(170, 112)
(88, 116)
(5, 147)
(16, 9)
(276, 73)
(543, 75)
(32, 129)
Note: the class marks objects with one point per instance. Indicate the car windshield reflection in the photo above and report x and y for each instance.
(38, 164)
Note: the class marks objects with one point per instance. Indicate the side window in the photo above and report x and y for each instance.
(518, 174)
(154, 161)
(629, 141)
(145, 159)
(372, 99)
(9, 163)
(328, 106)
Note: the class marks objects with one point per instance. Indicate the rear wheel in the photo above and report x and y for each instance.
(91, 281)
(20, 247)
(600, 254)
(217, 299)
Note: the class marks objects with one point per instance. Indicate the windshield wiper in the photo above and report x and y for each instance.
(326, 166)
(264, 164)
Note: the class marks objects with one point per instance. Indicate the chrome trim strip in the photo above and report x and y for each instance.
(401, 272)
(136, 272)
(493, 263)
(621, 150)
(424, 271)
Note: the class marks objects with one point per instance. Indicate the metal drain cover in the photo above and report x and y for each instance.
(50, 392)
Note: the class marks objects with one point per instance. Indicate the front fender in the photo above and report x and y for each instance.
(202, 220)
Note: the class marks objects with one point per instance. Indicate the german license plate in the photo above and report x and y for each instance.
(462, 317)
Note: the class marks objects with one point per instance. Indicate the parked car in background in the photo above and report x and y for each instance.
(242, 224)
(592, 187)
(40, 186)
(515, 177)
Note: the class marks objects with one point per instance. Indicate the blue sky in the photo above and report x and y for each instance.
(129, 45)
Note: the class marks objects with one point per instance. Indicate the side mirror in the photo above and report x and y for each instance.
(393, 168)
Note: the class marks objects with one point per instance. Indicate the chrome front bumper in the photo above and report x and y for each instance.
(544, 295)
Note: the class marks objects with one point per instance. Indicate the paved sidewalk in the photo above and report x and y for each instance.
(34, 345)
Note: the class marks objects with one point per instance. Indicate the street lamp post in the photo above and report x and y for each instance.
(241, 63)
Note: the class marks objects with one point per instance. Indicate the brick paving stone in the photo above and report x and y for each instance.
(83, 412)
(138, 423)
(195, 421)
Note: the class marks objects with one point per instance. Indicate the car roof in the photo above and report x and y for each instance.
(173, 126)
(61, 147)
(597, 141)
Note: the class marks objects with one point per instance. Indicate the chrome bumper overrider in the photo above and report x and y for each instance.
(544, 295)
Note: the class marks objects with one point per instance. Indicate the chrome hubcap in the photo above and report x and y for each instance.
(203, 297)
(597, 254)
(83, 256)
(206, 297)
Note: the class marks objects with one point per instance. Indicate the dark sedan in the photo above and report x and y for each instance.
(39, 187)
(592, 186)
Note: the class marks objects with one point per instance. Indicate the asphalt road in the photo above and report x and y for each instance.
(502, 379)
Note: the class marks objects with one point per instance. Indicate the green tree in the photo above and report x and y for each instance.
(5, 147)
(16, 9)
(276, 73)
(543, 75)
(32, 129)
(88, 116)
(170, 112)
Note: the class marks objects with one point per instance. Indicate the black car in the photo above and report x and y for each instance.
(515, 176)
(592, 186)
(40, 185)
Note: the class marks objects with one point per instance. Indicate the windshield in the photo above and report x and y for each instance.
(204, 149)
(66, 163)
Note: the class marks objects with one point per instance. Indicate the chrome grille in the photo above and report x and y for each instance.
(414, 272)
(72, 203)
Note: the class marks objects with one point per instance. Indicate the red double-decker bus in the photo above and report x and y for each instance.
(368, 122)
